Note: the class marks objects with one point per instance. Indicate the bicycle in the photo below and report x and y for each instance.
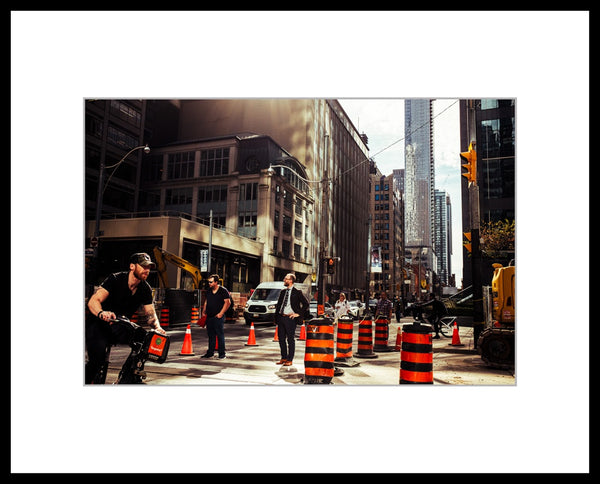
(447, 325)
(145, 345)
(446, 322)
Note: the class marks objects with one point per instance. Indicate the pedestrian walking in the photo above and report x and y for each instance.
(384, 307)
(342, 308)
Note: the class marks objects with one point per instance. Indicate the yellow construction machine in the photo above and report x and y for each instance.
(162, 255)
(496, 343)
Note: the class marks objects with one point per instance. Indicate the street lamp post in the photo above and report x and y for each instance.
(102, 187)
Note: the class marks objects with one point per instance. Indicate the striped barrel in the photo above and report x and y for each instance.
(382, 334)
(365, 339)
(195, 315)
(416, 354)
(318, 355)
(164, 317)
(135, 318)
(343, 348)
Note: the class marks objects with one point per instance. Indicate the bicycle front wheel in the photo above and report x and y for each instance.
(447, 327)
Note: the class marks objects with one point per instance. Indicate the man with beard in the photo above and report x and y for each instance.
(289, 311)
(121, 294)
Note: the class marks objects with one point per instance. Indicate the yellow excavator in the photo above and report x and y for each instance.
(496, 343)
(162, 255)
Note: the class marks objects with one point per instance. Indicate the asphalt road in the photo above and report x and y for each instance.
(256, 364)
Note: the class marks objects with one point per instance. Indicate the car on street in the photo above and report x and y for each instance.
(329, 310)
(357, 309)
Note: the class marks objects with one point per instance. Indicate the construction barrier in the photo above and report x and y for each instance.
(382, 335)
(318, 355)
(343, 348)
(365, 339)
(302, 336)
(398, 338)
(195, 315)
(455, 336)
(164, 317)
(251, 337)
(186, 348)
(416, 355)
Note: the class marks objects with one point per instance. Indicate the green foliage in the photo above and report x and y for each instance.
(497, 238)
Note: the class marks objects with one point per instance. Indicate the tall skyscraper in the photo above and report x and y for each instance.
(442, 240)
(419, 178)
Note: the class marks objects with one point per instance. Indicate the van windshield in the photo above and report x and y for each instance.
(266, 294)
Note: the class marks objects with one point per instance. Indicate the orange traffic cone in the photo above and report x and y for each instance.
(399, 339)
(302, 332)
(455, 336)
(276, 337)
(186, 348)
(251, 337)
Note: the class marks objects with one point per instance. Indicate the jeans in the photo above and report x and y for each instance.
(215, 329)
(98, 335)
(286, 332)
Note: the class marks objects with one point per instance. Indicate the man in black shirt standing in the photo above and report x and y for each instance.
(121, 294)
(215, 306)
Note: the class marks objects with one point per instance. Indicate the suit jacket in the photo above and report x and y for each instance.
(298, 302)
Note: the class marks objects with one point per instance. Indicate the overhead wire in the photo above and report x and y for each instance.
(395, 142)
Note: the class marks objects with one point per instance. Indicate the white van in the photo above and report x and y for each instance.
(260, 307)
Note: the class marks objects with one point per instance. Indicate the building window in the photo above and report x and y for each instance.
(214, 162)
(126, 112)
(247, 210)
(285, 248)
(181, 165)
(286, 227)
(121, 139)
(297, 229)
(179, 200)
(212, 197)
(297, 252)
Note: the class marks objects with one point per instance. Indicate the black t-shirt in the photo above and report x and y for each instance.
(214, 302)
(120, 300)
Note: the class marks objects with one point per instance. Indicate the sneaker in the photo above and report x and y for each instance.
(207, 355)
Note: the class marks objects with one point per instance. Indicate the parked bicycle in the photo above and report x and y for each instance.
(446, 322)
(145, 345)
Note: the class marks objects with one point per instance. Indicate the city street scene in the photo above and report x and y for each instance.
(232, 196)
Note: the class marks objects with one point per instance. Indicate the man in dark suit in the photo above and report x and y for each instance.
(290, 310)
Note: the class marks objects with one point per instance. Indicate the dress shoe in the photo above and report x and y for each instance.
(287, 363)
(281, 362)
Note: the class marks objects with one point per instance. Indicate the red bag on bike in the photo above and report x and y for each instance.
(156, 346)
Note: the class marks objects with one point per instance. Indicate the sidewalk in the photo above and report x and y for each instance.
(256, 365)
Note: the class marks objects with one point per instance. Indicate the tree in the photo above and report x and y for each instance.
(497, 238)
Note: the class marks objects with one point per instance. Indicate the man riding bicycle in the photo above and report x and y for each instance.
(121, 294)
(438, 311)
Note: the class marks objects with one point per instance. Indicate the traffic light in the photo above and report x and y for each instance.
(467, 241)
(469, 163)
(330, 265)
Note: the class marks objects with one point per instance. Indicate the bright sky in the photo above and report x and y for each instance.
(382, 120)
